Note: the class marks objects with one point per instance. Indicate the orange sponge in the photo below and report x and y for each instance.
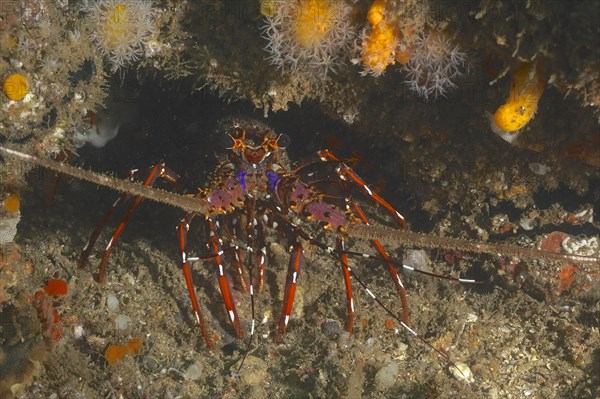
(114, 353)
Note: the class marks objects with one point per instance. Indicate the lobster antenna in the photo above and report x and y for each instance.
(189, 204)
(399, 237)
(369, 232)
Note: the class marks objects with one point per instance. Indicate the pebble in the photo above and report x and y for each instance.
(331, 328)
(112, 303)
(254, 371)
(418, 259)
(129, 279)
(122, 322)
(539, 168)
(528, 223)
(386, 376)
(78, 331)
(462, 372)
(193, 372)
(257, 392)
(152, 363)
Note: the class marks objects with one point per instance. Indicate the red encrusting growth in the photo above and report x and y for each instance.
(56, 287)
(553, 242)
(567, 277)
(49, 316)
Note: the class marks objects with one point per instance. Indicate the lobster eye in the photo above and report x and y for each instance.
(238, 140)
(283, 141)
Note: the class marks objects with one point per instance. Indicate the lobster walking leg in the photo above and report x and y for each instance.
(216, 248)
(255, 237)
(96, 233)
(391, 267)
(296, 263)
(239, 267)
(262, 256)
(239, 258)
(348, 283)
(182, 231)
(341, 254)
(345, 172)
(158, 171)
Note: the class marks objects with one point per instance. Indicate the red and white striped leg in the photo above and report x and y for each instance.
(85, 254)
(346, 173)
(239, 267)
(156, 172)
(348, 283)
(262, 256)
(296, 263)
(391, 268)
(182, 231)
(215, 246)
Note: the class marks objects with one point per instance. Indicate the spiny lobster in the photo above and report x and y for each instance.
(255, 188)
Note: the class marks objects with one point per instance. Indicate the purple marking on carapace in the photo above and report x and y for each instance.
(236, 190)
(241, 177)
(300, 194)
(273, 180)
(324, 212)
(220, 199)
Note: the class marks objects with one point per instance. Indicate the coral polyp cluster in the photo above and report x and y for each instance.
(434, 65)
(121, 28)
(378, 49)
(379, 42)
(431, 61)
(312, 22)
(311, 36)
(376, 12)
